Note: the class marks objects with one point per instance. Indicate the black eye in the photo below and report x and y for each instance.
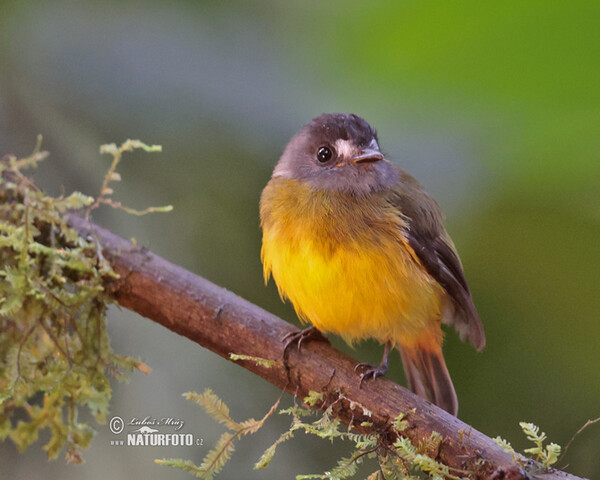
(324, 154)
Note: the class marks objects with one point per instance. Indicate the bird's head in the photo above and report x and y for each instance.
(337, 152)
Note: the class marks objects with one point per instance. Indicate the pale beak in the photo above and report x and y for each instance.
(368, 155)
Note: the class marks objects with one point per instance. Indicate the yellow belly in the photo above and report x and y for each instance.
(345, 264)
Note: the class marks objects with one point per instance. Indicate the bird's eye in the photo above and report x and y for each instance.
(324, 154)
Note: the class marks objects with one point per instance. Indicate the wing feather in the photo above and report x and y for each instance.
(434, 249)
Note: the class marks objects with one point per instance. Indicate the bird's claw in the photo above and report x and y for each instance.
(371, 371)
(308, 334)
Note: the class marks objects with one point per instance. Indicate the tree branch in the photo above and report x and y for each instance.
(225, 323)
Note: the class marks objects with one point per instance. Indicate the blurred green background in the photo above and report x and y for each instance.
(493, 106)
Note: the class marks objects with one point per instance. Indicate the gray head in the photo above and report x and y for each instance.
(339, 152)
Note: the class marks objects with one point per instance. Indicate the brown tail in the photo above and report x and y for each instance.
(428, 376)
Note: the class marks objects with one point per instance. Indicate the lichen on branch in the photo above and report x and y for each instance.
(55, 355)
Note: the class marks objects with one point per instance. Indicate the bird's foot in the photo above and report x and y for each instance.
(307, 335)
(371, 371)
(374, 371)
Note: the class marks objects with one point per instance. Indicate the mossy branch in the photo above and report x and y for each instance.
(225, 323)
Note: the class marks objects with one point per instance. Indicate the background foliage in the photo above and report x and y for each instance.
(495, 107)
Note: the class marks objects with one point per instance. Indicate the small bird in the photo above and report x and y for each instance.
(359, 248)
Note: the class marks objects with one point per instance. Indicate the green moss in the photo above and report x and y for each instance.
(398, 461)
(55, 355)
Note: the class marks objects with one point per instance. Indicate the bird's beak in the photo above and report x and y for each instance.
(368, 155)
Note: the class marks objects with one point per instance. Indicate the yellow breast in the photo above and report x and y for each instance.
(345, 264)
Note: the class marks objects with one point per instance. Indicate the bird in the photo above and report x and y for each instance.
(359, 248)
